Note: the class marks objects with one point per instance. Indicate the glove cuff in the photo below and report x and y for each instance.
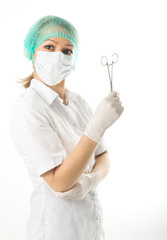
(96, 178)
(94, 132)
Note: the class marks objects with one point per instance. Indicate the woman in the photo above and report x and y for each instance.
(59, 138)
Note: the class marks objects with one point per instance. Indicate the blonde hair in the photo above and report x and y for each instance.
(25, 82)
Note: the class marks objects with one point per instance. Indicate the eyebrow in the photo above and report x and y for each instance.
(68, 44)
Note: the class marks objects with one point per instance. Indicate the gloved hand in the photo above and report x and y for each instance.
(106, 113)
(85, 183)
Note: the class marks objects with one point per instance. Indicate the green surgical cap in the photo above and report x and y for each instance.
(48, 27)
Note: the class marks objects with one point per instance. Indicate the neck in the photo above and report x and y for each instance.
(58, 88)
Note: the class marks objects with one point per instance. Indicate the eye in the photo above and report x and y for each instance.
(68, 51)
(46, 46)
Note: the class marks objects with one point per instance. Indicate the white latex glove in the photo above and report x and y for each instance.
(106, 113)
(85, 183)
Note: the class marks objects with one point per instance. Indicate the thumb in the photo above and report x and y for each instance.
(111, 94)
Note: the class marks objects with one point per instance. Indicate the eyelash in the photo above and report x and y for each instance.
(52, 46)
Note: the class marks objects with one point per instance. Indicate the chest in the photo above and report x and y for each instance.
(69, 123)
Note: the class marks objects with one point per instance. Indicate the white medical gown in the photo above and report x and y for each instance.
(44, 132)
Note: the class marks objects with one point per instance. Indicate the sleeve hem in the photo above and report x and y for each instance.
(49, 166)
(101, 149)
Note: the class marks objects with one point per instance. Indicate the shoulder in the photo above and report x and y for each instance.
(27, 108)
(28, 101)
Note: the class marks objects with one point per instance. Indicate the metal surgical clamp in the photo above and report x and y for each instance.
(105, 62)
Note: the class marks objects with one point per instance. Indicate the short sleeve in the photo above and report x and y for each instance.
(35, 140)
(102, 146)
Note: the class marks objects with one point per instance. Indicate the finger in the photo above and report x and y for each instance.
(119, 110)
(65, 194)
(116, 104)
(111, 95)
(115, 99)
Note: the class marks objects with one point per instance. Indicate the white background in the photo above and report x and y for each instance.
(133, 195)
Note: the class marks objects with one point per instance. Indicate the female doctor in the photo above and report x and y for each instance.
(59, 139)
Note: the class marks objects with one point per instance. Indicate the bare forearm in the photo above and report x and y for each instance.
(102, 164)
(67, 174)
